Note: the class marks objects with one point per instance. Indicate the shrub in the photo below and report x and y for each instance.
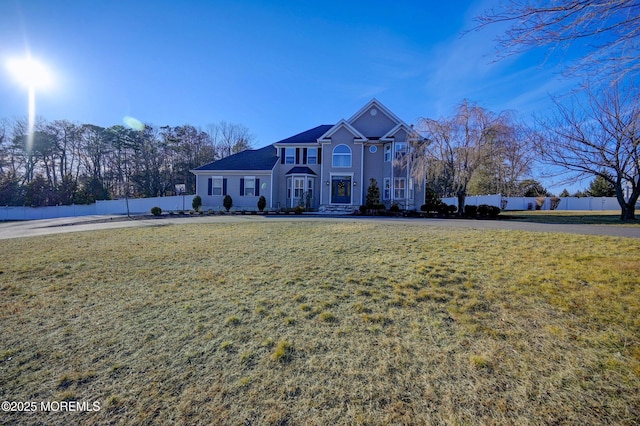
(227, 202)
(452, 208)
(262, 203)
(494, 211)
(298, 210)
(363, 209)
(196, 203)
(483, 210)
(156, 211)
(394, 208)
(470, 211)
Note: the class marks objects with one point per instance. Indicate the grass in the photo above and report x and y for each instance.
(322, 323)
(578, 217)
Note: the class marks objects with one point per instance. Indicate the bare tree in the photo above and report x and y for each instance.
(599, 136)
(230, 138)
(456, 147)
(607, 30)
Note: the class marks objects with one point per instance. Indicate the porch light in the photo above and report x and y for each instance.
(327, 183)
(355, 183)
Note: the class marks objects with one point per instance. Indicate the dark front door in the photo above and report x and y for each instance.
(341, 190)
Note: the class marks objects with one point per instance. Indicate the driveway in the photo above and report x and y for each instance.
(89, 223)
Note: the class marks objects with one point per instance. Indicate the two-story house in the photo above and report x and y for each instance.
(327, 168)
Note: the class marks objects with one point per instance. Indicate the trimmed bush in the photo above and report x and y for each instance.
(262, 203)
(483, 210)
(470, 211)
(227, 202)
(196, 203)
(394, 208)
(452, 208)
(156, 211)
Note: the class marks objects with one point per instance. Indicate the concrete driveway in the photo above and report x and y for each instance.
(89, 223)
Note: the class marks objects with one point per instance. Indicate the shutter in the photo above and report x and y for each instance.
(297, 155)
(209, 186)
(224, 186)
(304, 155)
(257, 187)
(282, 152)
(319, 155)
(241, 186)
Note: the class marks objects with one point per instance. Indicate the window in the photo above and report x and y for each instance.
(373, 149)
(288, 187)
(387, 153)
(342, 156)
(216, 186)
(411, 193)
(399, 188)
(249, 186)
(290, 156)
(312, 156)
(298, 187)
(401, 148)
(387, 189)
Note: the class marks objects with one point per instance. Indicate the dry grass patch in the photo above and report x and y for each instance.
(322, 323)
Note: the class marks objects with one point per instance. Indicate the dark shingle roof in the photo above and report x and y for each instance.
(251, 159)
(309, 136)
(301, 171)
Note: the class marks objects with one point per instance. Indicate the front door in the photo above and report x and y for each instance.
(340, 189)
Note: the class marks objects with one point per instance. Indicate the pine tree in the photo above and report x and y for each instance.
(373, 194)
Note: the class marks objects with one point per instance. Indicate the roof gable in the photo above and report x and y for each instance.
(379, 108)
(250, 159)
(342, 124)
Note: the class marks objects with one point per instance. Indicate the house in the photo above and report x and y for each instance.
(326, 168)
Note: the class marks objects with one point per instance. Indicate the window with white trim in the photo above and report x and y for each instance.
(387, 189)
(387, 152)
(290, 156)
(401, 148)
(249, 186)
(399, 188)
(216, 185)
(342, 156)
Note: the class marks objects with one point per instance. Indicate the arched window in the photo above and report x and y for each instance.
(341, 156)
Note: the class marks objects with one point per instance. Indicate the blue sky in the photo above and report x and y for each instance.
(277, 67)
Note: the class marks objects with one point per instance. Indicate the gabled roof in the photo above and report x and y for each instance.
(250, 159)
(391, 133)
(308, 136)
(375, 103)
(342, 124)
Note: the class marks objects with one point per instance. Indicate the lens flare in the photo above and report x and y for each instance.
(133, 123)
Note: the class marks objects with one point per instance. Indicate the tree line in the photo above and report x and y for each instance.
(69, 163)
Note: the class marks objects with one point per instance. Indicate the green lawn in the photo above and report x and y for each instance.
(284, 322)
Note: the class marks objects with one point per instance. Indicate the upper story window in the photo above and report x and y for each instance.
(290, 156)
(312, 156)
(387, 152)
(342, 156)
(401, 148)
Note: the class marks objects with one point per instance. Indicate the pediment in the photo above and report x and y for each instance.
(342, 124)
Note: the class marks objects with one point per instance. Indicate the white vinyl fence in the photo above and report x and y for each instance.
(529, 203)
(115, 207)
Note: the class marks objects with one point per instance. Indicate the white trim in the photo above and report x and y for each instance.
(333, 152)
(381, 108)
(326, 138)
